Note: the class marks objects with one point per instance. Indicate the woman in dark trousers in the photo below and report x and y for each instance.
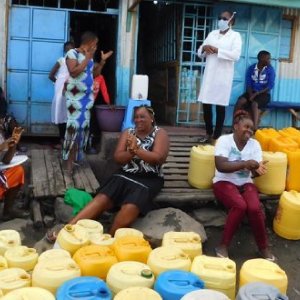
(238, 159)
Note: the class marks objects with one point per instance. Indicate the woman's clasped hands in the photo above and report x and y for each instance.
(131, 143)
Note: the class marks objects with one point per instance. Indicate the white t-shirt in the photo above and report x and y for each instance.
(226, 147)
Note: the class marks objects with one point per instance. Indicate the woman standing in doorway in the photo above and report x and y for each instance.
(221, 48)
(80, 98)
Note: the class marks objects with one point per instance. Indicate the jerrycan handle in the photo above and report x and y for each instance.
(92, 293)
(180, 282)
(173, 257)
(218, 267)
(267, 297)
(60, 268)
(186, 240)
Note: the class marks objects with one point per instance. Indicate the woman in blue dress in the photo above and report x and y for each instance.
(80, 99)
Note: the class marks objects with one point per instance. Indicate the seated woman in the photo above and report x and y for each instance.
(238, 159)
(141, 151)
(11, 179)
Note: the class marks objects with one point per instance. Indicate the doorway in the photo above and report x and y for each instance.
(105, 26)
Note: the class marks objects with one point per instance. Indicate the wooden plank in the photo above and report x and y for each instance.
(59, 178)
(175, 171)
(186, 190)
(176, 165)
(85, 181)
(177, 153)
(178, 159)
(184, 138)
(175, 177)
(39, 174)
(78, 183)
(50, 173)
(67, 178)
(91, 177)
(182, 149)
(176, 183)
(37, 214)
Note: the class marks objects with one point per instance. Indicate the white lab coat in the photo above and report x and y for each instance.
(219, 69)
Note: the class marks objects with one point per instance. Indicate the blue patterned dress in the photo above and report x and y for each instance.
(80, 100)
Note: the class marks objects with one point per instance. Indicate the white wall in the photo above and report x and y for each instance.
(3, 39)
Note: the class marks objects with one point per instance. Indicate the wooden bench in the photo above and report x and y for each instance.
(49, 181)
(177, 191)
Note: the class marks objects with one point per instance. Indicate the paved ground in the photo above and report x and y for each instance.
(243, 246)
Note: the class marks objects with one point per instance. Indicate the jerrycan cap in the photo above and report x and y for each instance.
(146, 273)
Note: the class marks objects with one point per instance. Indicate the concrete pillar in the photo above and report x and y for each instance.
(128, 24)
(3, 40)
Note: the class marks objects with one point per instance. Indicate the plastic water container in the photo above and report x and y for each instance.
(262, 270)
(72, 237)
(102, 240)
(53, 254)
(132, 248)
(263, 136)
(21, 257)
(168, 258)
(258, 291)
(13, 278)
(205, 294)
(273, 182)
(30, 293)
(293, 174)
(88, 288)
(287, 219)
(9, 239)
(139, 87)
(292, 133)
(121, 232)
(3, 263)
(90, 226)
(138, 293)
(51, 274)
(128, 274)
(201, 158)
(189, 242)
(217, 273)
(174, 284)
(95, 260)
(281, 143)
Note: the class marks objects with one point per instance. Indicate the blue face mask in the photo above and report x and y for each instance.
(223, 25)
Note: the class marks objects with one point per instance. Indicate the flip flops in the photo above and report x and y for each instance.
(52, 233)
(266, 254)
(222, 253)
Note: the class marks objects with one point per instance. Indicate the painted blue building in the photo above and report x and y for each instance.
(158, 38)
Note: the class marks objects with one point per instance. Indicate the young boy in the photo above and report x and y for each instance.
(260, 79)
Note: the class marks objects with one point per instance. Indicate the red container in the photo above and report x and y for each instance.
(110, 118)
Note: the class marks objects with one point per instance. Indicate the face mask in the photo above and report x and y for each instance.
(223, 25)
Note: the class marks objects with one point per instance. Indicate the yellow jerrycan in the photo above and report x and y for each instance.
(292, 133)
(30, 293)
(9, 239)
(132, 248)
(273, 182)
(137, 293)
(51, 274)
(104, 239)
(189, 242)
(95, 260)
(128, 274)
(90, 226)
(121, 232)
(287, 219)
(21, 257)
(262, 270)
(218, 274)
(263, 136)
(53, 254)
(281, 143)
(72, 237)
(168, 258)
(293, 173)
(13, 278)
(3, 263)
(202, 166)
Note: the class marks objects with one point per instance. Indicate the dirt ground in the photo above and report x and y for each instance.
(243, 246)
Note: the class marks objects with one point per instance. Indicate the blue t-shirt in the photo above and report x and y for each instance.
(260, 81)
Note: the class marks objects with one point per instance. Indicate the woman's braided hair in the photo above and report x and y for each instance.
(240, 115)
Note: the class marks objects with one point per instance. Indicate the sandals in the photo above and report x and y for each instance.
(52, 233)
(204, 139)
(267, 254)
(221, 252)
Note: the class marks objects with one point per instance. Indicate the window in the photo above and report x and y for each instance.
(287, 38)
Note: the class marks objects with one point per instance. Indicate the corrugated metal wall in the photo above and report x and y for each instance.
(289, 84)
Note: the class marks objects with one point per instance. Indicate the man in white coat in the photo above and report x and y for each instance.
(221, 48)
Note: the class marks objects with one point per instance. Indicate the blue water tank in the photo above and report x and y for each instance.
(259, 290)
(84, 288)
(174, 284)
